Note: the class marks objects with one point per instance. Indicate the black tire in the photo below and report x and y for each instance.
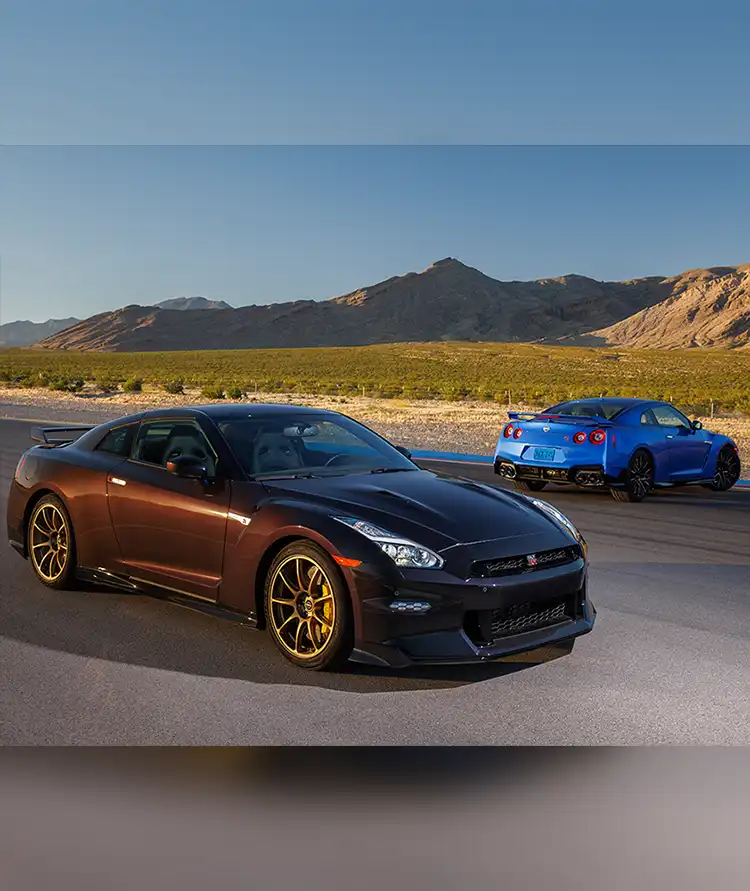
(50, 544)
(640, 478)
(315, 628)
(726, 471)
(530, 485)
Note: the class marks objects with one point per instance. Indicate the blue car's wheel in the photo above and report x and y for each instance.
(640, 478)
(726, 472)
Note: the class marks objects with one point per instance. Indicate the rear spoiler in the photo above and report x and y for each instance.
(581, 420)
(57, 435)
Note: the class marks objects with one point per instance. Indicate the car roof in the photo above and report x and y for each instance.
(608, 400)
(244, 410)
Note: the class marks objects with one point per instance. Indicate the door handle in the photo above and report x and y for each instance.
(669, 436)
(118, 481)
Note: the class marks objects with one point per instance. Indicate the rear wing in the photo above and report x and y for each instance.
(57, 435)
(580, 420)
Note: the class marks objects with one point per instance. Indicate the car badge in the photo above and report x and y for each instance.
(546, 429)
(566, 438)
(532, 560)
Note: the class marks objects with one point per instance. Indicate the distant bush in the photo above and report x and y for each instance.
(67, 384)
(175, 387)
(133, 385)
(108, 384)
(212, 393)
(235, 392)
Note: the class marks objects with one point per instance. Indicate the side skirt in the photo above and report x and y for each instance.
(181, 598)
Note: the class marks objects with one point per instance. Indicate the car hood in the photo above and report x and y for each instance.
(437, 510)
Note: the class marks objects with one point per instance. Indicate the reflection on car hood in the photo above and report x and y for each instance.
(438, 510)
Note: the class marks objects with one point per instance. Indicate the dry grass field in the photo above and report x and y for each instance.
(470, 426)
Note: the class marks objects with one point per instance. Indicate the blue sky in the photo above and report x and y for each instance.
(83, 230)
(374, 71)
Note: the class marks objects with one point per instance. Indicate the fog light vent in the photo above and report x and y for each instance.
(409, 606)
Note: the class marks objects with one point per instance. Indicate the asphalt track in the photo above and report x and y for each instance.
(667, 663)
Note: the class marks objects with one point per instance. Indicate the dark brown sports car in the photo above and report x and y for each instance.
(307, 523)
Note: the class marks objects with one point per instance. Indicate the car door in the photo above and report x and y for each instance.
(654, 437)
(170, 530)
(688, 448)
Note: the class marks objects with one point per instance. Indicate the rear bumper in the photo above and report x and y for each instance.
(588, 475)
(14, 518)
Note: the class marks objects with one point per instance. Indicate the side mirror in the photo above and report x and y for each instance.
(404, 451)
(188, 467)
(696, 425)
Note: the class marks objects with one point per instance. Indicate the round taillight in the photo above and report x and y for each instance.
(517, 433)
(508, 432)
(579, 437)
(597, 436)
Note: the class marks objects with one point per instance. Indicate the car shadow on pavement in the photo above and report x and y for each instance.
(133, 629)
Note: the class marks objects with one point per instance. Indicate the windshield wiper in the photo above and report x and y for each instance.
(285, 476)
(392, 469)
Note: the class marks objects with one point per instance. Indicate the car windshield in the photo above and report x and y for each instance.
(589, 407)
(304, 445)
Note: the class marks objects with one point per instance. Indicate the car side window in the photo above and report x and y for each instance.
(666, 416)
(118, 441)
(648, 418)
(160, 441)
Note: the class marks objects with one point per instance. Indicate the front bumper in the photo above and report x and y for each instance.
(472, 621)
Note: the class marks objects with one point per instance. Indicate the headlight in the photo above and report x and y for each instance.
(559, 518)
(402, 551)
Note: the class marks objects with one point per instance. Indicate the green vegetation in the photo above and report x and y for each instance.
(133, 385)
(533, 373)
(175, 387)
(212, 393)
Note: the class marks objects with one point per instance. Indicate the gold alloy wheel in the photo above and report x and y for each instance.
(48, 542)
(302, 606)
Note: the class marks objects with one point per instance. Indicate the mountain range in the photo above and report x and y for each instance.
(448, 301)
(24, 333)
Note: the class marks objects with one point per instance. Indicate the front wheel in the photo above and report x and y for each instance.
(726, 472)
(640, 479)
(530, 485)
(50, 543)
(308, 608)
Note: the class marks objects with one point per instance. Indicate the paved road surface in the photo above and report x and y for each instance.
(668, 661)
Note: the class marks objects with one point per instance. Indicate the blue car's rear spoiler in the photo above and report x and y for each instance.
(57, 435)
(581, 420)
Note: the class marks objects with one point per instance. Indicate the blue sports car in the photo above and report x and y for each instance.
(627, 445)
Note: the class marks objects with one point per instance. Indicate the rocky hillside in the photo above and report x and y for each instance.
(705, 307)
(448, 301)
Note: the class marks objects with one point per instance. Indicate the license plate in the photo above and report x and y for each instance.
(544, 454)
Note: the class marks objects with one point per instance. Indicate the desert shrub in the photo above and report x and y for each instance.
(133, 385)
(235, 392)
(211, 392)
(108, 384)
(67, 384)
(174, 386)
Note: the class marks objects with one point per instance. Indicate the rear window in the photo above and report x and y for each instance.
(118, 441)
(606, 410)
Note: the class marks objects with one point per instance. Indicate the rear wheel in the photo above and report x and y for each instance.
(50, 543)
(640, 478)
(530, 485)
(726, 472)
(308, 609)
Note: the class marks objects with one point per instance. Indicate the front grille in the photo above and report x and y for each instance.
(529, 616)
(484, 569)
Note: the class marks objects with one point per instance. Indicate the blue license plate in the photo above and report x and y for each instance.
(544, 454)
